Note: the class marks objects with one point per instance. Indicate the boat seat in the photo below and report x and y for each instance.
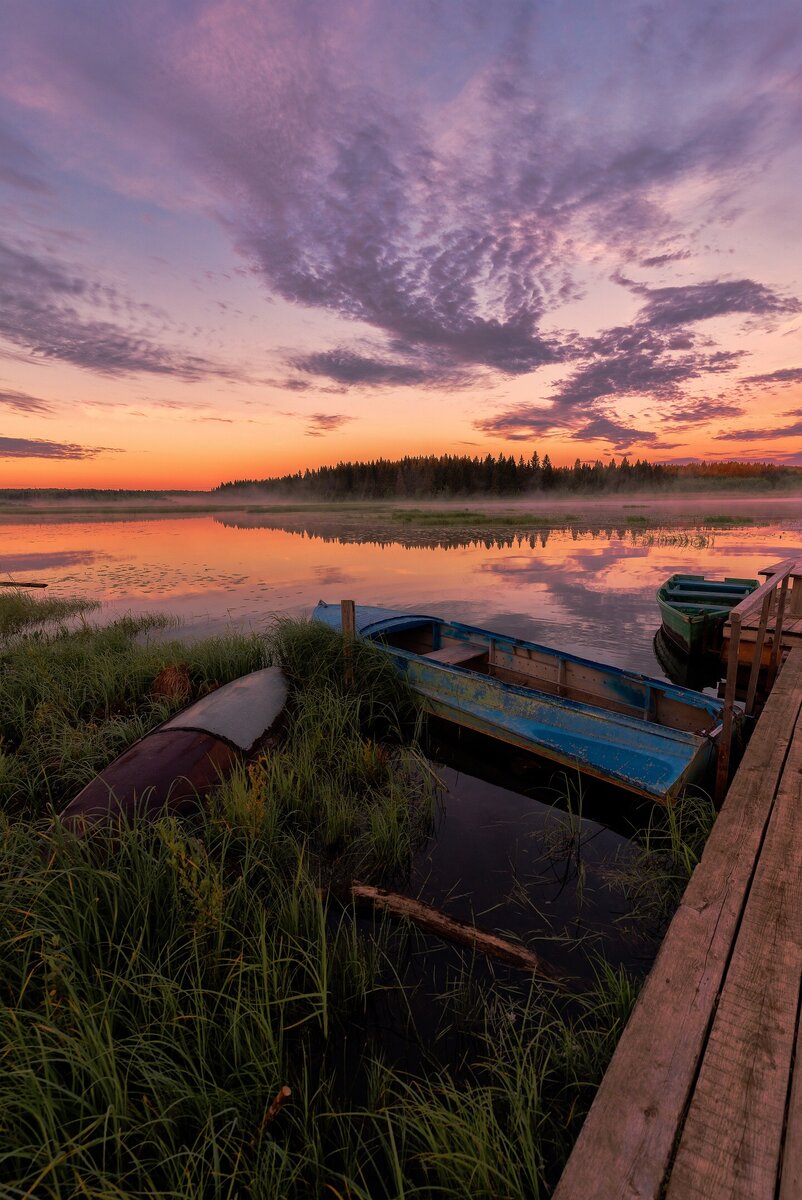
(683, 604)
(457, 654)
(705, 597)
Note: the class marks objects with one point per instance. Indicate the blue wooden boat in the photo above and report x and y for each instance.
(693, 609)
(642, 734)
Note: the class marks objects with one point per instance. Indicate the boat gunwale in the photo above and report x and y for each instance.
(395, 620)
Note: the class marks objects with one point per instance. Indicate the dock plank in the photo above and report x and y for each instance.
(731, 1141)
(626, 1142)
(791, 1178)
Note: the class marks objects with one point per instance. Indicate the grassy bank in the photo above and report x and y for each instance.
(160, 985)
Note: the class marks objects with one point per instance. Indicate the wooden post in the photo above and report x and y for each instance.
(725, 743)
(776, 646)
(348, 621)
(762, 596)
(757, 656)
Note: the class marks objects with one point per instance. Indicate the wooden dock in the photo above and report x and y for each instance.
(703, 1097)
(791, 630)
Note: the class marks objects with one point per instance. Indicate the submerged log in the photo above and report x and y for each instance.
(168, 770)
(431, 920)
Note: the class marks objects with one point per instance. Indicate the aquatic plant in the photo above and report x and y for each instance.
(668, 846)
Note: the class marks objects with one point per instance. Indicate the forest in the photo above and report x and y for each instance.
(504, 475)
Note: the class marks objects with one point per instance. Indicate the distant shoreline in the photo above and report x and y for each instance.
(577, 509)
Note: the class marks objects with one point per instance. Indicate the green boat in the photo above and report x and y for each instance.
(694, 610)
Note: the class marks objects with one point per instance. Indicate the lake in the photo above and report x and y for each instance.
(587, 590)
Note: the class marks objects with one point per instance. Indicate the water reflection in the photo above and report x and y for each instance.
(22, 563)
(386, 532)
(588, 590)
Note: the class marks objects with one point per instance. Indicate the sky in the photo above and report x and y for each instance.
(240, 238)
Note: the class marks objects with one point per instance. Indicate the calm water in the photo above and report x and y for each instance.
(501, 852)
(591, 592)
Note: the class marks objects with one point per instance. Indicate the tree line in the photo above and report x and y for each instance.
(504, 475)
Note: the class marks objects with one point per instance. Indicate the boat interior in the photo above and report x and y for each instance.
(694, 593)
(545, 670)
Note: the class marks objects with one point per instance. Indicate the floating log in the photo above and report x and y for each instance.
(431, 920)
(166, 771)
(14, 583)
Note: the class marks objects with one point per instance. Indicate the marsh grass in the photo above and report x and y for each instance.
(19, 610)
(472, 517)
(160, 984)
(683, 538)
(158, 992)
(726, 519)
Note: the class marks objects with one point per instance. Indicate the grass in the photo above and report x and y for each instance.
(726, 519)
(159, 984)
(19, 610)
(472, 516)
(670, 846)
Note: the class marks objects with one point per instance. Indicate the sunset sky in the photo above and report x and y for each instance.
(239, 237)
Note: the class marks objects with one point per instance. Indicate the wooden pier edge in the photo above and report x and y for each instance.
(625, 1147)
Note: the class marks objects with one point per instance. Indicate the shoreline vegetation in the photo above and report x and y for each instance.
(195, 1008)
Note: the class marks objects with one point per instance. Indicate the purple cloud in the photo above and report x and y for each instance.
(662, 260)
(685, 305)
(784, 375)
(348, 368)
(349, 196)
(447, 210)
(696, 410)
(22, 402)
(748, 435)
(320, 423)
(47, 310)
(19, 166)
(11, 447)
(606, 429)
(633, 360)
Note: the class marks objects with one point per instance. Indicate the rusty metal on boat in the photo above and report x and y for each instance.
(168, 770)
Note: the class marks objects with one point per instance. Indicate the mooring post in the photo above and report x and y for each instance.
(348, 621)
(725, 742)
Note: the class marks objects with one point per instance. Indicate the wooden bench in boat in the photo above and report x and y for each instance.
(458, 654)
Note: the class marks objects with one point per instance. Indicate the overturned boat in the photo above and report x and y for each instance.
(167, 770)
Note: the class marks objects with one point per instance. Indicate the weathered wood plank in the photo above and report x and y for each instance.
(624, 1147)
(791, 1180)
(731, 1140)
